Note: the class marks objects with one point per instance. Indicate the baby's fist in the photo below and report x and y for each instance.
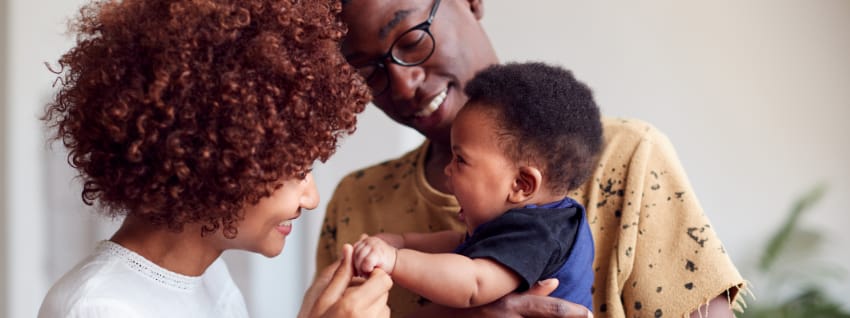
(372, 252)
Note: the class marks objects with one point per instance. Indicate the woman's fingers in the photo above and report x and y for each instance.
(338, 283)
(316, 289)
(370, 298)
(385, 312)
(376, 288)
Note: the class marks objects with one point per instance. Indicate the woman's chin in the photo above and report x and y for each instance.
(271, 252)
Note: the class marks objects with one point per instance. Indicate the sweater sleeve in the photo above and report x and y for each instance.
(665, 258)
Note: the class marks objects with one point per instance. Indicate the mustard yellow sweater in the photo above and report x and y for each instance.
(657, 254)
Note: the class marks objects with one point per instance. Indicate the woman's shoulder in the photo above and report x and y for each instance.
(95, 277)
(115, 282)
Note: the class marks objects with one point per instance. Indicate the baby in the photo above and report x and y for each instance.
(528, 134)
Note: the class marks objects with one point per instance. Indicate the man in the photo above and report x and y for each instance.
(656, 253)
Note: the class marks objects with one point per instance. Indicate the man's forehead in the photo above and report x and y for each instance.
(395, 15)
(398, 16)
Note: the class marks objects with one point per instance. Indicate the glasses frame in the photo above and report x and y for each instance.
(380, 63)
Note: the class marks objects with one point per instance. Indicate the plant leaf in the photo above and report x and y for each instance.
(779, 239)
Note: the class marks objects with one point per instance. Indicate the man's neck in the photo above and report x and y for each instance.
(439, 155)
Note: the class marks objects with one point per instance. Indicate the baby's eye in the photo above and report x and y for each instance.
(459, 159)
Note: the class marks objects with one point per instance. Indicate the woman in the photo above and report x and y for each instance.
(198, 121)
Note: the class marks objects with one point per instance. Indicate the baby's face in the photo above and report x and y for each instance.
(480, 174)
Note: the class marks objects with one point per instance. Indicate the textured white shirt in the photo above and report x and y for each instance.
(116, 282)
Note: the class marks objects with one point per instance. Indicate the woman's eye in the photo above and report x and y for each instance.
(303, 174)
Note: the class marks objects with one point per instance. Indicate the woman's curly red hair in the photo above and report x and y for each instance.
(184, 111)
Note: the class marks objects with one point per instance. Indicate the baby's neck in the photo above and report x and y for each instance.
(543, 197)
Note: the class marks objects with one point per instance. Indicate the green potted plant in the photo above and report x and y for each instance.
(794, 281)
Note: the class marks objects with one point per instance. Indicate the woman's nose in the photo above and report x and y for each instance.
(310, 196)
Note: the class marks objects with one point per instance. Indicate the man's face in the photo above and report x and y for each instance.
(425, 97)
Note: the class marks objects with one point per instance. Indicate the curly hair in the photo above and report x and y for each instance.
(185, 111)
(545, 115)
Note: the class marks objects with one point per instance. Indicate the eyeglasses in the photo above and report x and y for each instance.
(411, 48)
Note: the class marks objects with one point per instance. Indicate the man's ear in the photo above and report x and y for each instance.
(477, 7)
(526, 183)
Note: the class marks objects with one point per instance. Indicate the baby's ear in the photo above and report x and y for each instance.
(526, 183)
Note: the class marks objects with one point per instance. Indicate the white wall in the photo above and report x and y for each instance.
(26, 24)
(755, 95)
(3, 152)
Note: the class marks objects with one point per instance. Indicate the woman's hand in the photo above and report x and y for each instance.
(532, 303)
(337, 293)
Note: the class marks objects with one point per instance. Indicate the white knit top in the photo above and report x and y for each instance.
(116, 282)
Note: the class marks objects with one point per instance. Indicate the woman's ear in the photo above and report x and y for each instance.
(526, 183)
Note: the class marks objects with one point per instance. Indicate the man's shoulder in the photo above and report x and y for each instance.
(628, 127)
(406, 163)
(624, 135)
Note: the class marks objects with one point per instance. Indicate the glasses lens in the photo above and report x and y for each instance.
(413, 47)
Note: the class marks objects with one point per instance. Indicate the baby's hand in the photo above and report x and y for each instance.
(372, 252)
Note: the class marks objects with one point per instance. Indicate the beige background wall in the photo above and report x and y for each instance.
(755, 95)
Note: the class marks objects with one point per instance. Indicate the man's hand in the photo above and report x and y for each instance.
(536, 303)
(532, 303)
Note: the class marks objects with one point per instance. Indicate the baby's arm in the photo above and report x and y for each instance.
(445, 278)
(452, 279)
(436, 242)
(369, 253)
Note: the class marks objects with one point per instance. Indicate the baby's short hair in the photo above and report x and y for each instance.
(547, 116)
